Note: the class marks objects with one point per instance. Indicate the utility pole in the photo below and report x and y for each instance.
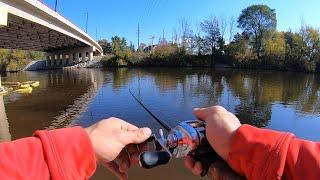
(138, 37)
(55, 6)
(152, 38)
(163, 36)
(96, 33)
(87, 22)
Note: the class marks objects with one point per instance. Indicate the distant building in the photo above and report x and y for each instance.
(149, 49)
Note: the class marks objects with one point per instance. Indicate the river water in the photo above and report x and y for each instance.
(275, 100)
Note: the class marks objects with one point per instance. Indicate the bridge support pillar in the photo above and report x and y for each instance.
(84, 56)
(57, 60)
(54, 61)
(69, 57)
(90, 56)
(64, 59)
(3, 16)
(47, 61)
(70, 62)
(77, 57)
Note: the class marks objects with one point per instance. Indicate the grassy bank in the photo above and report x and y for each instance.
(173, 56)
(16, 60)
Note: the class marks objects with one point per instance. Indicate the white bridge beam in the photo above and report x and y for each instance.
(31, 24)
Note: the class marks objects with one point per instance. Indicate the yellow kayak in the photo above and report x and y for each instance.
(24, 86)
(27, 90)
(32, 83)
(11, 84)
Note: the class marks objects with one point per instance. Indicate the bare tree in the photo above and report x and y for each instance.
(231, 28)
(186, 32)
(210, 27)
(174, 36)
(222, 25)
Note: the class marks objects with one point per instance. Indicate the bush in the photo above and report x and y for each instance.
(113, 61)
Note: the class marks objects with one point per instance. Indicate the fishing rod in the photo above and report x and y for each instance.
(162, 123)
(187, 138)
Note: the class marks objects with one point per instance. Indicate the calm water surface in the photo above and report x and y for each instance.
(275, 100)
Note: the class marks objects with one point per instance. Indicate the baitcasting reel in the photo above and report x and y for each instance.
(188, 138)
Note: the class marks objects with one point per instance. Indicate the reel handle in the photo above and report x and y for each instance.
(150, 159)
(206, 156)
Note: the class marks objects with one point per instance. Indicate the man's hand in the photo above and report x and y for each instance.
(115, 144)
(220, 127)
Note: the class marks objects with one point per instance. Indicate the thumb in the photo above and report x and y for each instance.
(201, 113)
(136, 136)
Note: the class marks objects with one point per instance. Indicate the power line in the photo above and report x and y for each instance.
(87, 22)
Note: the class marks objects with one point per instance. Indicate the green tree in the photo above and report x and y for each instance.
(123, 44)
(311, 39)
(275, 47)
(132, 48)
(106, 46)
(116, 46)
(257, 20)
(238, 49)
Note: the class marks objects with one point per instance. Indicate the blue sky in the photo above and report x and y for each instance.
(120, 17)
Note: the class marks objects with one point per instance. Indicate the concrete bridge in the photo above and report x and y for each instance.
(31, 25)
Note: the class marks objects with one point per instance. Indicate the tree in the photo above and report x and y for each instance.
(210, 27)
(311, 39)
(257, 20)
(231, 28)
(275, 47)
(106, 46)
(131, 47)
(116, 46)
(238, 48)
(186, 32)
(123, 44)
(198, 44)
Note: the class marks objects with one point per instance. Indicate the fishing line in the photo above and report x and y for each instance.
(162, 123)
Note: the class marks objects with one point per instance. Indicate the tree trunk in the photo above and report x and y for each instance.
(212, 55)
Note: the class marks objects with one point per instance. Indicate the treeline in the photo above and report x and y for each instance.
(257, 44)
(16, 60)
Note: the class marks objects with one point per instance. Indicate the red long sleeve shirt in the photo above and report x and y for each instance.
(59, 154)
(266, 154)
(68, 154)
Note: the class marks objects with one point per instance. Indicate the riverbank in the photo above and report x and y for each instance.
(17, 60)
(205, 61)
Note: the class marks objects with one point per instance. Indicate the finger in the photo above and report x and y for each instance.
(124, 162)
(142, 147)
(201, 113)
(204, 113)
(128, 127)
(133, 153)
(136, 136)
(189, 162)
(114, 168)
(197, 169)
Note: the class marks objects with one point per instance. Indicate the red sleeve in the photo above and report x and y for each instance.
(266, 154)
(58, 154)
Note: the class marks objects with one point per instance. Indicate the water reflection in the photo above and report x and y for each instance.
(4, 125)
(276, 100)
(59, 100)
(251, 95)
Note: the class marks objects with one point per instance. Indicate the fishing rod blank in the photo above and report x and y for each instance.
(162, 123)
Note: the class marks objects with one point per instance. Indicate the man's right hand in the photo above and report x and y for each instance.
(220, 127)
